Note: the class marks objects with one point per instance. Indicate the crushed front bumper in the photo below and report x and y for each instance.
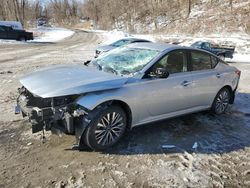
(56, 119)
(39, 118)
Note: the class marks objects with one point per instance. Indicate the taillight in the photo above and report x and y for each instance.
(238, 72)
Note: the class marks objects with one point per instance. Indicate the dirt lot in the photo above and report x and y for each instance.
(222, 158)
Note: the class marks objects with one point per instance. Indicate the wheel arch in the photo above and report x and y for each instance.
(232, 93)
(222, 53)
(81, 127)
(94, 101)
(125, 108)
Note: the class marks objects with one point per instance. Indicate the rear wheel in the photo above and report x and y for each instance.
(221, 101)
(22, 39)
(106, 128)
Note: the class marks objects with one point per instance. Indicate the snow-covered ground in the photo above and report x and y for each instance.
(108, 37)
(50, 34)
(45, 34)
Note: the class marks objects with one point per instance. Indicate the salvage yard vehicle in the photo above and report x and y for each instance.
(118, 43)
(14, 24)
(221, 52)
(7, 32)
(129, 86)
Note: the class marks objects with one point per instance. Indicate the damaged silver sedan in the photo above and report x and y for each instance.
(124, 88)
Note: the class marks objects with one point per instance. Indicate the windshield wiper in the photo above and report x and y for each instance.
(125, 72)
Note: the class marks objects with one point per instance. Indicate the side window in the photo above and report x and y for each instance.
(10, 29)
(2, 28)
(206, 45)
(137, 41)
(200, 61)
(214, 61)
(174, 62)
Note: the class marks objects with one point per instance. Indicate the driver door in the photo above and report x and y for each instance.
(3, 33)
(12, 34)
(171, 94)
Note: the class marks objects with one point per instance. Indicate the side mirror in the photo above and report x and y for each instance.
(86, 62)
(161, 73)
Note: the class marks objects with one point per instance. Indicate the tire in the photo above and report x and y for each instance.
(222, 57)
(22, 39)
(106, 128)
(221, 101)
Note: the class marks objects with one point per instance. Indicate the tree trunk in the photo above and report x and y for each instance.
(189, 7)
(231, 4)
(16, 10)
(23, 11)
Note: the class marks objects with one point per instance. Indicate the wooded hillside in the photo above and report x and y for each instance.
(171, 16)
(178, 16)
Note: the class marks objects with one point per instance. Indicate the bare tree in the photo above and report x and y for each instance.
(231, 4)
(189, 7)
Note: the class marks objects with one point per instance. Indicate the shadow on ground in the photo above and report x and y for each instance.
(212, 133)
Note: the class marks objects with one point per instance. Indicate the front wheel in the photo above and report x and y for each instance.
(106, 128)
(221, 101)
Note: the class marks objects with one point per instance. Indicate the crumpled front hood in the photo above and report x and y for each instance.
(69, 80)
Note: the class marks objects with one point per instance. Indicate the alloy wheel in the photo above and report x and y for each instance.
(222, 101)
(109, 129)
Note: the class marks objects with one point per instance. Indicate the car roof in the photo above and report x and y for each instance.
(155, 46)
(163, 47)
(134, 39)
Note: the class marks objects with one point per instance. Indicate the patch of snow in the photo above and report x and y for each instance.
(196, 13)
(109, 37)
(242, 58)
(51, 34)
(2, 41)
(44, 34)
(240, 4)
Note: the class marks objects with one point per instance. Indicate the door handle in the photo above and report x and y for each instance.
(218, 75)
(185, 83)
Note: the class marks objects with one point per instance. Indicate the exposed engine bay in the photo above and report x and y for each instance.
(58, 114)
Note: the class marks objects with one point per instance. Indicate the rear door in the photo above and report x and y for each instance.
(3, 32)
(207, 80)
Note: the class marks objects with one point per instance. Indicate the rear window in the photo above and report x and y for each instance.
(120, 43)
(136, 41)
(200, 61)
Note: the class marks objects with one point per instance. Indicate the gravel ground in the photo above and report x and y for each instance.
(221, 159)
